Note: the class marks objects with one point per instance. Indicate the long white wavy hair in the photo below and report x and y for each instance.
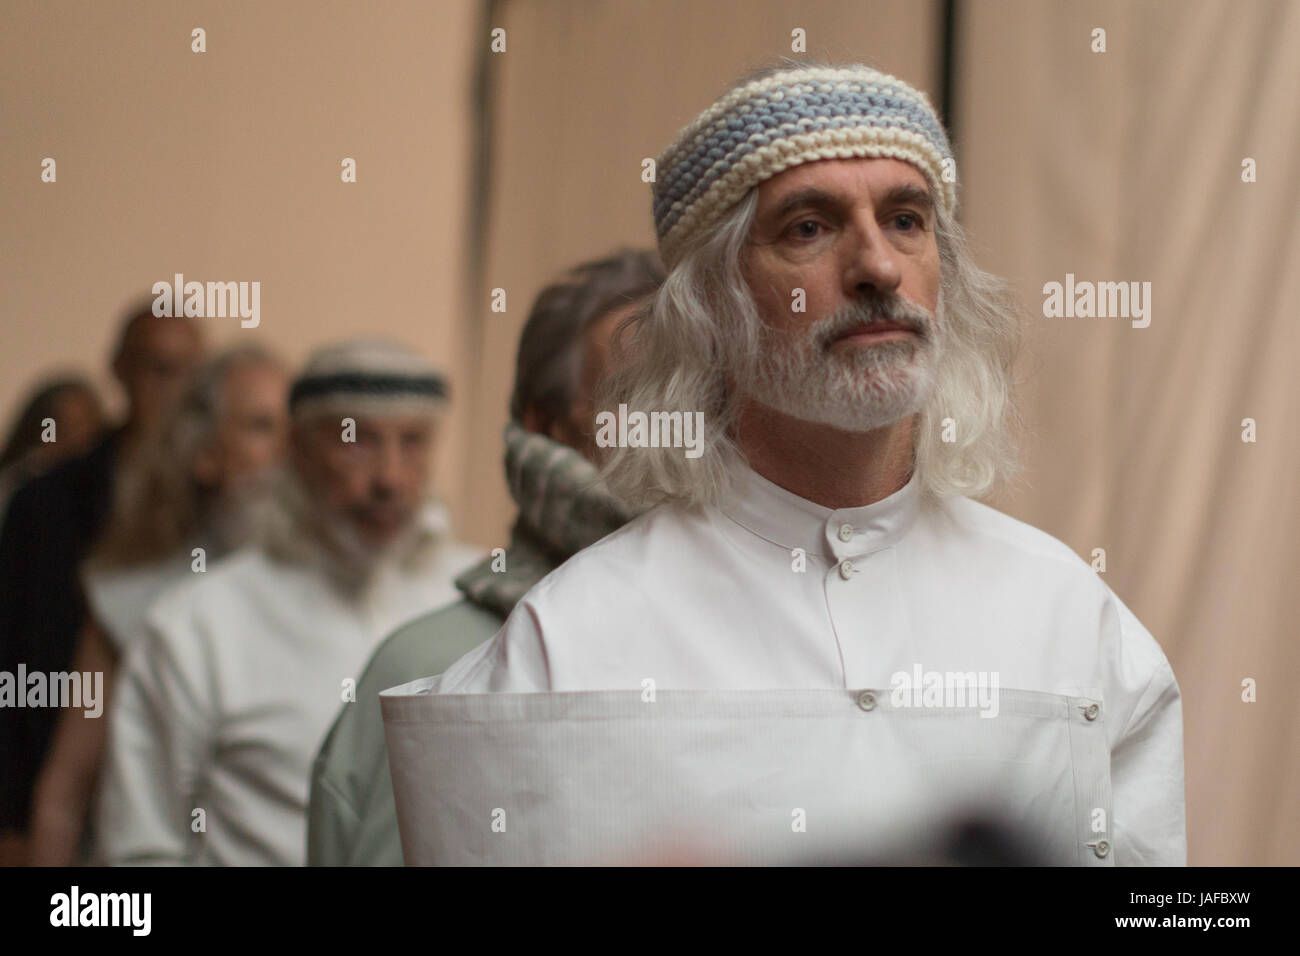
(670, 357)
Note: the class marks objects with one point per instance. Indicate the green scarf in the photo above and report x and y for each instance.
(563, 508)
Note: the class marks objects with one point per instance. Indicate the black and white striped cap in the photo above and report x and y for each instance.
(367, 377)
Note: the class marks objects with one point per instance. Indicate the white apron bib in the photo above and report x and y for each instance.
(746, 777)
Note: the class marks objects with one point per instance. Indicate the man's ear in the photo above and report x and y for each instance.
(535, 421)
(556, 429)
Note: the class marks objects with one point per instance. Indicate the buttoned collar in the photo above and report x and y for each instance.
(785, 519)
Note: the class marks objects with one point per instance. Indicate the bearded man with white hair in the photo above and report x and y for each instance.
(821, 569)
(224, 702)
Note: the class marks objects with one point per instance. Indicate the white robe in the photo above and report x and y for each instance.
(119, 599)
(712, 600)
(222, 705)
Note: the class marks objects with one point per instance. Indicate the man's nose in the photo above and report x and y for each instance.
(388, 466)
(873, 262)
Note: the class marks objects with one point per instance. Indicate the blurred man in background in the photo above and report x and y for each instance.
(50, 525)
(182, 505)
(223, 704)
(563, 507)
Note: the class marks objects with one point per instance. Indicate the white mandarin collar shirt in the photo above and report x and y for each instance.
(771, 593)
(784, 519)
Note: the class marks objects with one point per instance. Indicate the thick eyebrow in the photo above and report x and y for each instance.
(812, 196)
(808, 196)
(909, 195)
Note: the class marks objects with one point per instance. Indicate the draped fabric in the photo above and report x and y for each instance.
(1126, 166)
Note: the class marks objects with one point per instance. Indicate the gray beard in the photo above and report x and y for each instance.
(297, 530)
(855, 389)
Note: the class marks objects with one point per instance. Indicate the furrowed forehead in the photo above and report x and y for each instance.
(843, 184)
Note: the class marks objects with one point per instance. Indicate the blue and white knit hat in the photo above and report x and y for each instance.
(794, 116)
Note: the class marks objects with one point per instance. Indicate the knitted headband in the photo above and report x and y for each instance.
(367, 377)
(772, 124)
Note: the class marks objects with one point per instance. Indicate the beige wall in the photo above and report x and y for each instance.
(225, 166)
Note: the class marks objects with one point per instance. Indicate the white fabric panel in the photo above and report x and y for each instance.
(605, 777)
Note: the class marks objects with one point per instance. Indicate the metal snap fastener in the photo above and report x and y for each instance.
(867, 700)
(846, 569)
(1091, 712)
(1101, 848)
(846, 532)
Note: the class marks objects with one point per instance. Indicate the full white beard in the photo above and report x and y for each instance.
(853, 388)
(353, 563)
(297, 529)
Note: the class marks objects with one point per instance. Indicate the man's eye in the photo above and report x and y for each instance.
(807, 229)
(909, 221)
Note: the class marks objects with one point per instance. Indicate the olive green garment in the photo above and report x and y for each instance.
(352, 820)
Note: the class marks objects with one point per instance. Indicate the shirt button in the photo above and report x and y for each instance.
(1101, 848)
(846, 569)
(1091, 712)
(846, 532)
(867, 700)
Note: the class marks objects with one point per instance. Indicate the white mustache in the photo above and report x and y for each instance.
(863, 316)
